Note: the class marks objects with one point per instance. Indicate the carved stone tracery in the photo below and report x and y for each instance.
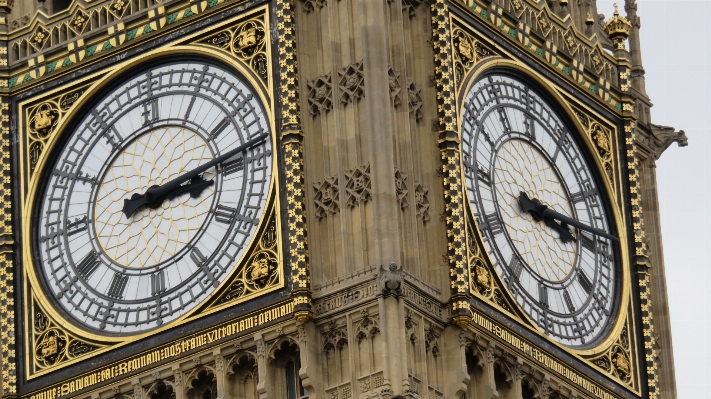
(350, 82)
(422, 203)
(394, 86)
(358, 185)
(414, 100)
(401, 188)
(326, 197)
(320, 95)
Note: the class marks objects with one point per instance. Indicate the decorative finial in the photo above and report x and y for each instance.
(590, 19)
(618, 28)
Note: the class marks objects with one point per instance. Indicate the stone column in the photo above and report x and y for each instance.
(220, 374)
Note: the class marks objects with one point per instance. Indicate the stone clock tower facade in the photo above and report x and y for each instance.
(329, 199)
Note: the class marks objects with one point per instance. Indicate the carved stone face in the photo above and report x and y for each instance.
(359, 183)
(328, 195)
(321, 93)
(419, 196)
(352, 81)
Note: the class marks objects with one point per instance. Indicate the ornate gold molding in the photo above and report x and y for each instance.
(249, 42)
(293, 147)
(604, 140)
(7, 268)
(484, 281)
(468, 51)
(43, 119)
(52, 343)
(619, 361)
(451, 163)
(261, 271)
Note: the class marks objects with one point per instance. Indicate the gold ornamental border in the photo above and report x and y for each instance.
(166, 352)
(27, 209)
(624, 293)
(540, 356)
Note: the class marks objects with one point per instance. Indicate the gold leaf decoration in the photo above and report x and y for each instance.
(52, 344)
(42, 122)
(245, 41)
(262, 269)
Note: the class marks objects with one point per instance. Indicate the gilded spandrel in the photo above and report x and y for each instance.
(372, 240)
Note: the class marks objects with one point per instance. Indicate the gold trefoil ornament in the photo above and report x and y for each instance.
(465, 49)
(622, 364)
(260, 269)
(43, 120)
(247, 38)
(603, 144)
(482, 277)
(49, 346)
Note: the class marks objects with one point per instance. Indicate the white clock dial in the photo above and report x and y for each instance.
(513, 142)
(122, 274)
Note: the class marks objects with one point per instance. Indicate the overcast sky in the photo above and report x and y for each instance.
(677, 58)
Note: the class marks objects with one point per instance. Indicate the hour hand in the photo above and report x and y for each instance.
(540, 212)
(195, 188)
(154, 197)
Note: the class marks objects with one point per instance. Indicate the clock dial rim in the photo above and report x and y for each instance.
(554, 97)
(99, 87)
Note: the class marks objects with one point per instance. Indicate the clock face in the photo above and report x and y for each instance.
(122, 274)
(513, 142)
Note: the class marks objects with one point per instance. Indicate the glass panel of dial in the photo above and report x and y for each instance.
(125, 275)
(512, 141)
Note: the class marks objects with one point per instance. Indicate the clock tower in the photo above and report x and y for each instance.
(332, 199)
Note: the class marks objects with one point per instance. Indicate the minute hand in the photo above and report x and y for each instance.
(545, 212)
(158, 193)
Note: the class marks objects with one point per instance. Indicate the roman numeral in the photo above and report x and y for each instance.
(588, 242)
(88, 265)
(543, 295)
(568, 301)
(201, 262)
(233, 166)
(77, 226)
(516, 267)
(504, 118)
(220, 127)
(157, 282)
(530, 126)
(577, 197)
(584, 281)
(587, 193)
(187, 112)
(225, 214)
(492, 220)
(118, 285)
(483, 176)
(150, 111)
(197, 257)
(562, 143)
(487, 137)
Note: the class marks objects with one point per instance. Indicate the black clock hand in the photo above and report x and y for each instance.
(155, 195)
(540, 211)
(195, 188)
